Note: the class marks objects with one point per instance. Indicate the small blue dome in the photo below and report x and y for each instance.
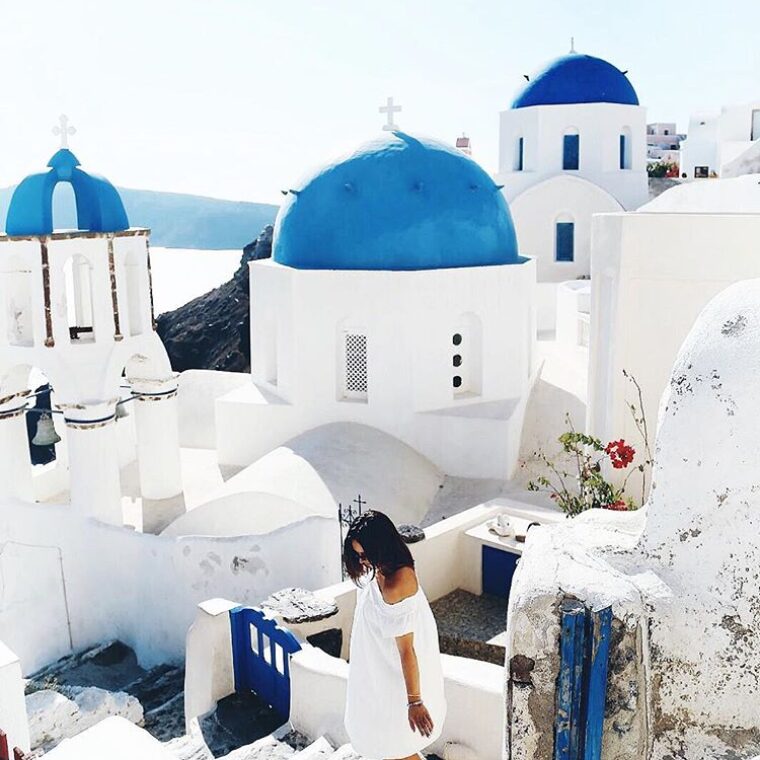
(577, 78)
(99, 206)
(396, 203)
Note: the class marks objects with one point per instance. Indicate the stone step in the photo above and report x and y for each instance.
(320, 749)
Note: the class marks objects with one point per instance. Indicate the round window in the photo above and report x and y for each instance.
(457, 360)
(457, 381)
(457, 339)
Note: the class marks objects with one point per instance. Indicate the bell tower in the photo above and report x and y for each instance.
(76, 304)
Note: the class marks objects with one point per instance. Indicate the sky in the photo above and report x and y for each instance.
(239, 98)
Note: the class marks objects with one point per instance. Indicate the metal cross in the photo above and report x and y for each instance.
(359, 501)
(389, 109)
(64, 130)
(572, 44)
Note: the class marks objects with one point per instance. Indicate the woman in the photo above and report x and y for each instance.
(395, 705)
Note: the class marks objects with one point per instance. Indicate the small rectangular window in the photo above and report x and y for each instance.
(565, 250)
(622, 152)
(520, 154)
(571, 151)
(355, 366)
(701, 172)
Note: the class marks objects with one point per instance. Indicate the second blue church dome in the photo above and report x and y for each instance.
(577, 78)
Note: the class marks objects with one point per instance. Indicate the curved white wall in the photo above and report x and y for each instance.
(562, 198)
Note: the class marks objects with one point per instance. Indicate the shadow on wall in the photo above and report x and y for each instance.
(544, 422)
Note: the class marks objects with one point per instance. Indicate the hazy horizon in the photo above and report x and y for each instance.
(236, 99)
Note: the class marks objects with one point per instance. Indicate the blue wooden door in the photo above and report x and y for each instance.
(498, 567)
(582, 682)
(261, 652)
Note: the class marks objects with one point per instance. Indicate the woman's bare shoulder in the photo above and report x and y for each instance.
(401, 584)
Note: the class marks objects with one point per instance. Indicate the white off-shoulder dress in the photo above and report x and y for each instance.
(376, 716)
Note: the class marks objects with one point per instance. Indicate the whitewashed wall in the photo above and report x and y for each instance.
(651, 276)
(537, 211)
(409, 318)
(599, 126)
(75, 582)
(198, 391)
(13, 717)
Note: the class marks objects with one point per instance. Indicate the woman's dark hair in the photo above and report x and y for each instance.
(382, 543)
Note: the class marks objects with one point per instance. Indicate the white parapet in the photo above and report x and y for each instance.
(13, 718)
(209, 674)
(473, 689)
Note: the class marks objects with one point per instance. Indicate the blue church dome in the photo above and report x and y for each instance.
(396, 203)
(577, 78)
(99, 206)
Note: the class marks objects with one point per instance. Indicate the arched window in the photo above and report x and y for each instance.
(467, 356)
(564, 239)
(77, 273)
(64, 207)
(571, 149)
(519, 154)
(625, 148)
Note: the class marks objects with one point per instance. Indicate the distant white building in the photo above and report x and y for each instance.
(572, 144)
(652, 274)
(664, 142)
(395, 298)
(719, 144)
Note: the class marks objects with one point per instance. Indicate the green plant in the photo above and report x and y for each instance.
(662, 169)
(577, 482)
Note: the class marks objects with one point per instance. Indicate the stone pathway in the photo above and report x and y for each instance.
(472, 626)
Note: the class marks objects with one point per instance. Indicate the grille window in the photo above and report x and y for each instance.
(356, 365)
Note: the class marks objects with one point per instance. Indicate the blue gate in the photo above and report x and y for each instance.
(582, 683)
(261, 652)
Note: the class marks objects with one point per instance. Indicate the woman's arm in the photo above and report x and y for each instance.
(409, 665)
(419, 717)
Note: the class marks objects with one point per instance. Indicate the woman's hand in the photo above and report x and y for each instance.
(419, 718)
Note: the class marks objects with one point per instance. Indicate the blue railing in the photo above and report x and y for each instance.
(582, 683)
(261, 652)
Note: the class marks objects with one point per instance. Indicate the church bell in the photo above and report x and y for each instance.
(45, 435)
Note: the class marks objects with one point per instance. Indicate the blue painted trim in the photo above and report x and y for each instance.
(565, 242)
(257, 670)
(571, 152)
(582, 682)
(497, 569)
(572, 641)
(601, 627)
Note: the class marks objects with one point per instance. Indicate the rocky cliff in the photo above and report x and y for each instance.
(213, 330)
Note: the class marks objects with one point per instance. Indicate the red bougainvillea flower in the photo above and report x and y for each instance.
(617, 506)
(620, 454)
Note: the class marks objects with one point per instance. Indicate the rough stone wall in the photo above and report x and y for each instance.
(682, 575)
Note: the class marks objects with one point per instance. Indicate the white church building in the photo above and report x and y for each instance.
(395, 298)
(572, 144)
